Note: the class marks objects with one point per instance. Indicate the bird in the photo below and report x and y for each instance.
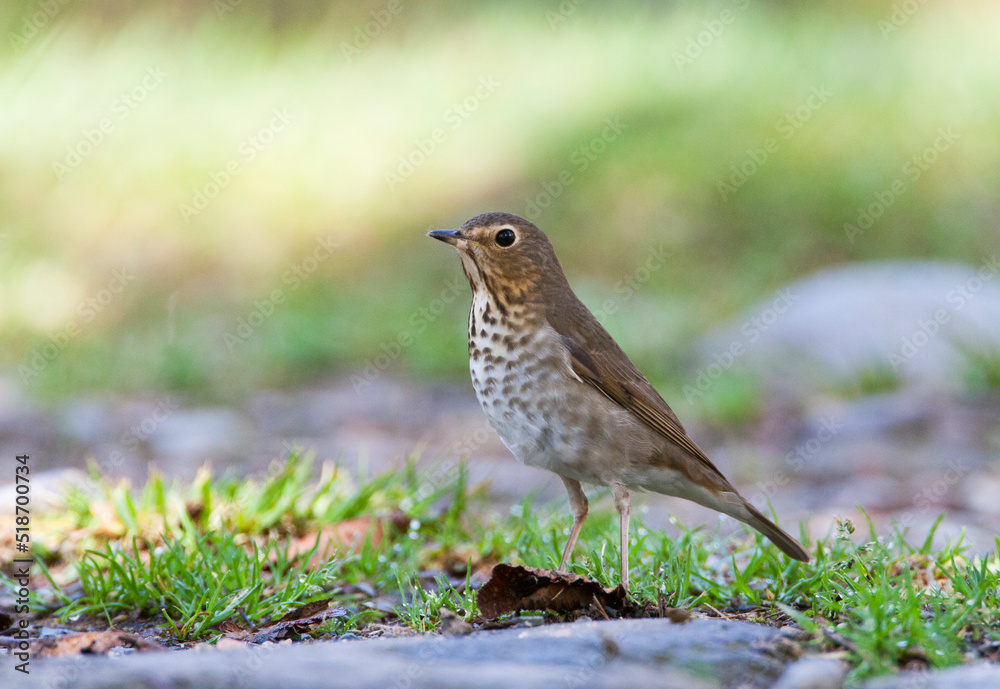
(562, 394)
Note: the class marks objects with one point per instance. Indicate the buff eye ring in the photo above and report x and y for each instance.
(505, 238)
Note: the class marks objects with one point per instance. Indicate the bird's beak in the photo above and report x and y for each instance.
(447, 236)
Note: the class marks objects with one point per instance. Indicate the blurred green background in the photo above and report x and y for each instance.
(168, 170)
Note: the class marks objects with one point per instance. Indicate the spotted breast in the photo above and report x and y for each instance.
(542, 412)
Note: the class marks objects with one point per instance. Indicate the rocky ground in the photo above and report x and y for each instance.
(906, 455)
(927, 446)
(903, 456)
(698, 654)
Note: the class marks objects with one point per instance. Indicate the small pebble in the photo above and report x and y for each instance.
(531, 621)
(813, 673)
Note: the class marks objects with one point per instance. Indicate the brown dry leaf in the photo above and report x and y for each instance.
(925, 573)
(233, 629)
(90, 642)
(453, 625)
(512, 589)
(676, 615)
(307, 610)
(106, 523)
(295, 623)
(454, 562)
(347, 536)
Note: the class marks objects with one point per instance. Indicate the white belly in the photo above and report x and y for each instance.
(544, 414)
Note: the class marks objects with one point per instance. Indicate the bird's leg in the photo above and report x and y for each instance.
(578, 505)
(624, 506)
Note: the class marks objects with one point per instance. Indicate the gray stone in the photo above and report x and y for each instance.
(813, 672)
(978, 676)
(85, 420)
(900, 414)
(47, 489)
(194, 435)
(699, 654)
(831, 326)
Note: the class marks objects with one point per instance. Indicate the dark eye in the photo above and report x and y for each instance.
(505, 237)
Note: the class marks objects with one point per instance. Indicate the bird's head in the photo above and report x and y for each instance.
(504, 254)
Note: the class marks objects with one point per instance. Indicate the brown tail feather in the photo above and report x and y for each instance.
(724, 498)
(788, 545)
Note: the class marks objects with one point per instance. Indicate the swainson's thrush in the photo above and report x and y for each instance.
(562, 394)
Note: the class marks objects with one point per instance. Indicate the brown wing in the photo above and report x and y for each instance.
(599, 361)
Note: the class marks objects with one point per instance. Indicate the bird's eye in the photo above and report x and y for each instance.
(505, 237)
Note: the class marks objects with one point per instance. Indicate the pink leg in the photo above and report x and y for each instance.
(578, 505)
(624, 506)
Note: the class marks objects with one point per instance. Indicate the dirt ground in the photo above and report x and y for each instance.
(902, 456)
